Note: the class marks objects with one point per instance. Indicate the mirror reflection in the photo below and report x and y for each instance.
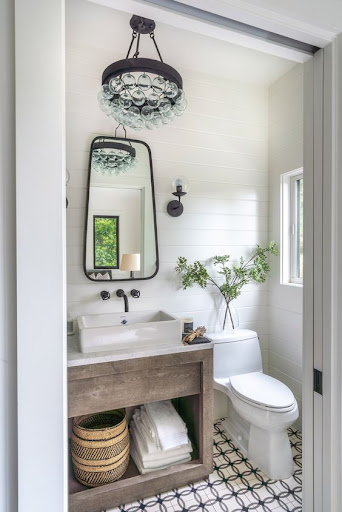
(121, 236)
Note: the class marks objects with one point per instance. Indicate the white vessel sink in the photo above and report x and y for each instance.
(128, 331)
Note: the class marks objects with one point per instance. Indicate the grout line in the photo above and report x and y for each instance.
(284, 342)
(278, 308)
(286, 375)
(284, 357)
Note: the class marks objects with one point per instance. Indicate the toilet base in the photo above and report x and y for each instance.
(237, 433)
(269, 450)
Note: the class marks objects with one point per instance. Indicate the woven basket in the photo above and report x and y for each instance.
(100, 447)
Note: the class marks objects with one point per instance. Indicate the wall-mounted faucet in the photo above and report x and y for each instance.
(134, 293)
(121, 293)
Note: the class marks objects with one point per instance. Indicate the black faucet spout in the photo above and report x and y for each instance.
(121, 293)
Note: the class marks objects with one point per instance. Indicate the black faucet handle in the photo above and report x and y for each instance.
(135, 293)
(105, 295)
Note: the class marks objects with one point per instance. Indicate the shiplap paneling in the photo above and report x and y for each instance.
(220, 144)
(285, 154)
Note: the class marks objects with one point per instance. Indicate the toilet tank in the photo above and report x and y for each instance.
(235, 353)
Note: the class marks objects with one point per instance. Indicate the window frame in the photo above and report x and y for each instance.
(289, 227)
(117, 240)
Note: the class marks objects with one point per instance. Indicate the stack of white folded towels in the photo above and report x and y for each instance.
(159, 437)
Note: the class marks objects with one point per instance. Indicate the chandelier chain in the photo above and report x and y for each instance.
(134, 35)
(136, 54)
(155, 44)
(124, 129)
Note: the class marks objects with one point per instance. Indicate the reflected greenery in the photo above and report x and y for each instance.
(106, 246)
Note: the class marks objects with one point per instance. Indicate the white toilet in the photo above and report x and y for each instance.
(261, 408)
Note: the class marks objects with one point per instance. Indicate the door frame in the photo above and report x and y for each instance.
(312, 289)
(322, 348)
(332, 279)
(41, 297)
(41, 255)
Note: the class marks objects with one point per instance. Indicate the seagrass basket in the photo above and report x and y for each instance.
(100, 447)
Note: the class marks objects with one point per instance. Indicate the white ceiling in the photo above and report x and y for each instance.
(316, 22)
(324, 14)
(181, 48)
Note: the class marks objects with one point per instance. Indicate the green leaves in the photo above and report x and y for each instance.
(106, 241)
(235, 275)
(192, 274)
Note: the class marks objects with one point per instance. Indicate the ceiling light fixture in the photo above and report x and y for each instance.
(112, 158)
(142, 93)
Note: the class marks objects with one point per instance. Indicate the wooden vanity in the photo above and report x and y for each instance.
(186, 375)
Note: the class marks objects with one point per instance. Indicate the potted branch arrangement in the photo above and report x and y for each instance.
(234, 276)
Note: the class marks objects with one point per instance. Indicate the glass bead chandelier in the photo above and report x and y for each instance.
(112, 158)
(142, 93)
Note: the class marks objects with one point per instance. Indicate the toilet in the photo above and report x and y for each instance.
(261, 408)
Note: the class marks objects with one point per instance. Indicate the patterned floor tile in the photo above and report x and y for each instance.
(234, 486)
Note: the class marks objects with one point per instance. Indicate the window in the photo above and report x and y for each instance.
(106, 241)
(292, 227)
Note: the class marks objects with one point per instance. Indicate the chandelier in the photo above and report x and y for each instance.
(142, 93)
(112, 158)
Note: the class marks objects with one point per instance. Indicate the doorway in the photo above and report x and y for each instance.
(54, 375)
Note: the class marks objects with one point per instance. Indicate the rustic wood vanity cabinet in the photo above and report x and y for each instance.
(185, 375)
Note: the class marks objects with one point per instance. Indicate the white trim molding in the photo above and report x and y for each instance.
(310, 70)
(8, 321)
(255, 13)
(332, 278)
(288, 228)
(41, 266)
(322, 426)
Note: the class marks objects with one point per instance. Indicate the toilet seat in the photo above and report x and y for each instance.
(262, 391)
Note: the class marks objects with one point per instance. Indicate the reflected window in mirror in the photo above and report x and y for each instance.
(106, 241)
(121, 217)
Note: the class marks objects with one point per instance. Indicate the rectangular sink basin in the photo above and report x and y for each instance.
(128, 331)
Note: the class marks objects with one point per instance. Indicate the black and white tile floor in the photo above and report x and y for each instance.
(234, 486)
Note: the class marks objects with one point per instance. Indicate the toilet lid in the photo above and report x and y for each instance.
(262, 389)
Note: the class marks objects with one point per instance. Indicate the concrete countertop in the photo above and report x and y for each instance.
(76, 358)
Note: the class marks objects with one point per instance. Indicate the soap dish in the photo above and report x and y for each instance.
(198, 341)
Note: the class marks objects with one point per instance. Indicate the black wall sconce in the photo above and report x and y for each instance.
(180, 187)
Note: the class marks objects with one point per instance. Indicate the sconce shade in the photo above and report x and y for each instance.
(180, 187)
(130, 262)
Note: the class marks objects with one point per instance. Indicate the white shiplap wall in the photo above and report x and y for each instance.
(221, 147)
(220, 144)
(285, 154)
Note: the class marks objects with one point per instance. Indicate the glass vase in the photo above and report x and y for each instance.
(232, 319)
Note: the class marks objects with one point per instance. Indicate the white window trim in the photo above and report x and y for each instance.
(288, 228)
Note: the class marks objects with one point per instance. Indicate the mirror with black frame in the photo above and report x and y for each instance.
(120, 229)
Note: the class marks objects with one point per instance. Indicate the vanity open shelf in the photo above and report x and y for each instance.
(185, 375)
